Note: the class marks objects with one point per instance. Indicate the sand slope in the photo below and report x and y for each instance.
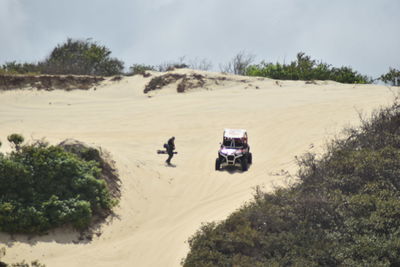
(162, 206)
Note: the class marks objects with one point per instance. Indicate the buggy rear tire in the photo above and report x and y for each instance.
(250, 158)
(217, 164)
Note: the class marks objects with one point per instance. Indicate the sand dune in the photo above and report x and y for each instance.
(161, 207)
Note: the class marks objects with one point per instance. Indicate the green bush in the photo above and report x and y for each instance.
(140, 69)
(20, 68)
(170, 66)
(16, 140)
(344, 211)
(43, 187)
(392, 77)
(304, 68)
(82, 57)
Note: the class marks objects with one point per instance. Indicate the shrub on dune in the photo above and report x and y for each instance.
(305, 68)
(43, 187)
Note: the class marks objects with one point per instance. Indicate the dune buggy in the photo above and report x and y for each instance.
(234, 150)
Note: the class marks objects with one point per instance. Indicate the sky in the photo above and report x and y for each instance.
(362, 34)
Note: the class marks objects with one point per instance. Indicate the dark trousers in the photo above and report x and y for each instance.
(170, 155)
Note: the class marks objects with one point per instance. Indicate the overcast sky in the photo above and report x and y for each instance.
(362, 34)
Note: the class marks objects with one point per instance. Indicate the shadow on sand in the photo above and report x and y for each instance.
(233, 169)
(62, 235)
(171, 165)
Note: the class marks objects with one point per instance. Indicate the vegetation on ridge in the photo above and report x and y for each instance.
(80, 57)
(392, 77)
(305, 68)
(86, 57)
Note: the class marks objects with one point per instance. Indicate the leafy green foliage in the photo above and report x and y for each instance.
(43, 187)
(20, 68)
(170, 66)
(392, 77)
(140, 69)
(344, 211)
(16, 140)
(183, 62)
(305, 68)
(82, 57)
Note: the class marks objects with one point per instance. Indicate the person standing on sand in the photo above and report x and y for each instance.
(170, 149)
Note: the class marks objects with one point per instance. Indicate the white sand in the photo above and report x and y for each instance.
(161, 207)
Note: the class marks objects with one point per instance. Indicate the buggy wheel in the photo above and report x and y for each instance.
(250, 158)
(244, 164)
(217, 164)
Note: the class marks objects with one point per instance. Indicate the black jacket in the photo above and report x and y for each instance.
(171, 145)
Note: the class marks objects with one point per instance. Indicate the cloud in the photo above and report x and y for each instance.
(360, 34)
(12, 31)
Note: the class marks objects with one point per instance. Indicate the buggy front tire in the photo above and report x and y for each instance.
(244, 164)
(217, 164)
